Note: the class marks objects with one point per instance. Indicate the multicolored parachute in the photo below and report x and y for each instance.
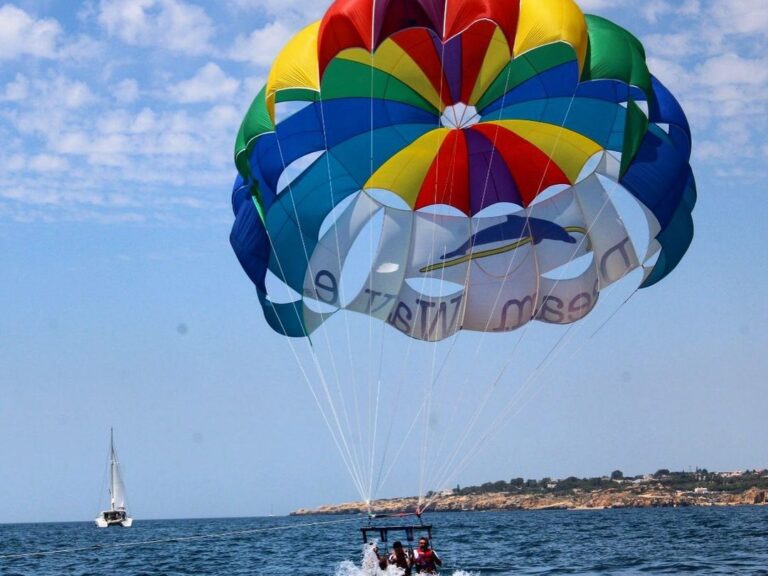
(483, 140)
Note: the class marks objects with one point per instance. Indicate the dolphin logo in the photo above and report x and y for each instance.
(525, 230)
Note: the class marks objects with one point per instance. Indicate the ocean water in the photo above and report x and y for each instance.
(654, 541)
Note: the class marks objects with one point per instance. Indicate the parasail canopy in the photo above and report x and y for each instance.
(477, 108)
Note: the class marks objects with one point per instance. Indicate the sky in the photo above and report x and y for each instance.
(122, 304)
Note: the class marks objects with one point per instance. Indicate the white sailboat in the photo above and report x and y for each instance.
(117, 514)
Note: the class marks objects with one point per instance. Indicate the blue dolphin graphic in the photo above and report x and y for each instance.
(514, 227)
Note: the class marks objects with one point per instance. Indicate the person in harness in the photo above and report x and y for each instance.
(400, 559)
(425, 559)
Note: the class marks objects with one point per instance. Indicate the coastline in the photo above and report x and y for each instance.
(593, 500)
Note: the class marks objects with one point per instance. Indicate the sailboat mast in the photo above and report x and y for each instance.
(113, 464)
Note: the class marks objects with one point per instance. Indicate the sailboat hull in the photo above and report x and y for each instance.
(104, 521)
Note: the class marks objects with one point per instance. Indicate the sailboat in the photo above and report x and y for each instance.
(117, 514)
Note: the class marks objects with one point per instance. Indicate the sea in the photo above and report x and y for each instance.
(731, 541)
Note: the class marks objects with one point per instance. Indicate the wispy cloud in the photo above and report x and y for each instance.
(132, 106)
(209, 84)
(23, 35)
(169, 24)
(262, 45)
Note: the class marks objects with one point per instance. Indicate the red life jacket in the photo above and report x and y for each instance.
(425, 560)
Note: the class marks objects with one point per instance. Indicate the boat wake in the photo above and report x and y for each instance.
(370, 567)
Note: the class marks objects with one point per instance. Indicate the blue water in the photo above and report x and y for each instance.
(655, 541)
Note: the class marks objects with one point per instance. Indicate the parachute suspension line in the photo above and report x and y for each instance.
(372, 434)
(486, 181)
(373, 489)
(352, 372)
(488, 394)
(523, 395)
(464, 387)
(352, 465)
(415, 419)
(613, 314)
(440, 440)
(346, 457)
(428, 392)
(626, 301)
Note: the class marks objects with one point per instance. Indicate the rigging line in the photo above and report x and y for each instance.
(115, 545)
(518, 396)
(352, 371)
(511, 356)
(602, 325)
(372, 436)
(482, 200)
(614, 313)
(404, 442)
(441, 441)
(318, 367)
(307, 380)
(374, 490)
(415, 419)
(428, 415)
(528, 215)
(438, 145)
(527, 391)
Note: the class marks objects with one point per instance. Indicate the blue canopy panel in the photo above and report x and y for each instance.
(250, 242)
(240, 192)
(600, 121)
(248, 236)
(561, 80)
(676, 237)
(610, 90)
(286, 319)
(658, 175)
(327, 124)
(665, 109)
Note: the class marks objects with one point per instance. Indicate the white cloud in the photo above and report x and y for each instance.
(17, 89)
(47, 163)
(21, 34)
(12, 163)
(262, 45)
(741, 16)
(731, 69)
(652, 9)
(674, 46)
(169, 24)
(209, 84)
(299, 12)
(593, 5)
(126, 91)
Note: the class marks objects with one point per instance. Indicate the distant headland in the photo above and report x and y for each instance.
(662, 489)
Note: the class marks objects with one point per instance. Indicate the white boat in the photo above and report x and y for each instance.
(117, 514)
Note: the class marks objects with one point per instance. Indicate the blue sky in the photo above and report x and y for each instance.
(122, 305)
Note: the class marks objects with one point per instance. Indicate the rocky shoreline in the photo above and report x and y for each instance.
(595, 500)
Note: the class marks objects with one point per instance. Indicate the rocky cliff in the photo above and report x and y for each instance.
(635, 497)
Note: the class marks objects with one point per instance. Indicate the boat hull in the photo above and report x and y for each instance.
(104, 522)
